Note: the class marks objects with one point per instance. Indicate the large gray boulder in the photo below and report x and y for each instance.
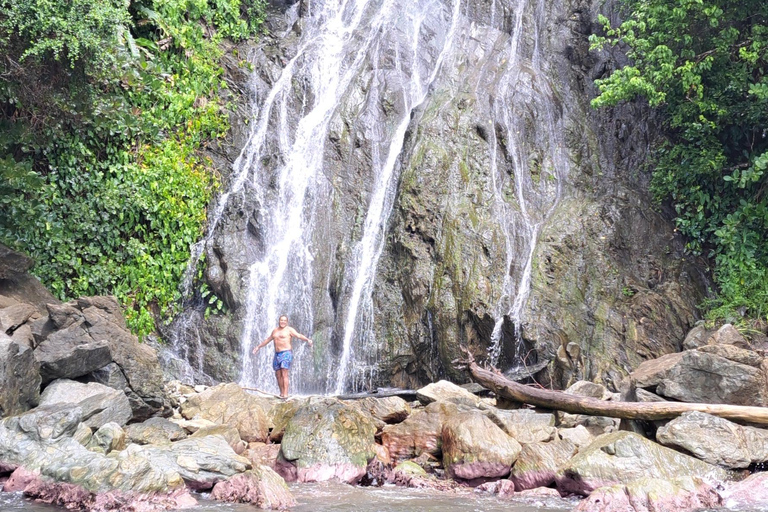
(524, 425)
(720, 374)
(653, 494)
(19, 377)
(623, 457)
(326, 440)
(100, 404)
(715, 440)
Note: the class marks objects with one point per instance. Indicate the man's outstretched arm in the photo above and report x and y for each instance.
(263, 343)
(296, 334)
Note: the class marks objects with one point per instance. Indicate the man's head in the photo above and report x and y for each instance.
(283, 321)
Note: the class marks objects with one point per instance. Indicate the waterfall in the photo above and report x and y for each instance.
(538, 171)
(369, 68)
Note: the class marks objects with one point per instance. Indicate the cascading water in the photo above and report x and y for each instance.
(538, 171)
(367, 68)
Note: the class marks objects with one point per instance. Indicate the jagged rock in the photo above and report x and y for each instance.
(698, 376)
(419, 433)
(64, 315)
(13, 263)
(230, 435)
(108, 438)
(60, 357)
(391, 409)
(537, 464)
(524, 425)
(279, 417)
(578, 435)
(715, 440)
(138, 361)
(112, 375)
(697, 337)
(475, 447)
(652, 494)
(14, 316)
(623, 457)
(19, 377)
(228, 404)
(748, 494)
(444, 391)
(260, 486)
(24, 336)
(100, 404)
(154, 431)
(262, 454)
(326, 440)
(728, 335)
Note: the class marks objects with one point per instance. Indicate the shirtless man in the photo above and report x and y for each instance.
(283, 353)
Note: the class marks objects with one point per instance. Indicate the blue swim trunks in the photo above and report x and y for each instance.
(282, 360)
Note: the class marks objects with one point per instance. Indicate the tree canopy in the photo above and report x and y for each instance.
(106, 107)
(703, 64)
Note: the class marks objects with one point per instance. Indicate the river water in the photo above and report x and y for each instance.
(335, 497)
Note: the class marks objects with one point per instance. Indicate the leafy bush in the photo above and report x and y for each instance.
(703, 64)
(104, 111)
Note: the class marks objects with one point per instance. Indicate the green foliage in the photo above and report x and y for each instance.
(703, 63)
(104, 111)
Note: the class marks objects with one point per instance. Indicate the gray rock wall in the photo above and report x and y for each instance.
(609, 284)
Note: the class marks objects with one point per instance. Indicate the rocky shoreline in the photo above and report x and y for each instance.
(89, 424)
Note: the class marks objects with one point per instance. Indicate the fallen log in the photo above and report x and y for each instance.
(559, 401)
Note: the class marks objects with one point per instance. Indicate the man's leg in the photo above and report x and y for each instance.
(280, 384)
(284, 386)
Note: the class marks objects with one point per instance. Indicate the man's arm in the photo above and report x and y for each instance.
(295, 334)
(263, 343)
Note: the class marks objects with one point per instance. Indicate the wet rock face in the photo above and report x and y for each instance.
(505, 150)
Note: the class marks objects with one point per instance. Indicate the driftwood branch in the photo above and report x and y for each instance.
(559, 401)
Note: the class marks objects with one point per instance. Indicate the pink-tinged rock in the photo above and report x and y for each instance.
(19, 480)
(504, 488)
(750, 493)
(652, 495)
(131, 502)
(260, 486)
(475, 447)
(539, 492)
(537, 464)
(262, 454)
(55, 493)
(419, 433)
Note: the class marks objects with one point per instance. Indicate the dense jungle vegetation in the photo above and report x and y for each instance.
(105, 108)
(703, 64)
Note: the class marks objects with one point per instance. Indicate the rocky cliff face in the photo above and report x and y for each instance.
(515, 220)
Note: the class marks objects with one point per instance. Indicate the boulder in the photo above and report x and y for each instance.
(327, 439)
(260, 486)
(100, 404)
(154, 431)
(715, 440)
(19, 377)
(651, 495)
(728, 335)
(444, 391)
(623, 457)
(748, 494)
(701, 377)
(262, 454)
(537, 463)
(63, 356)
(475, 447)
(13, 316)
(595, 424)
(697, 337)
(279, 417)
(108, 438)
(229, 405)
(112, 375)
(390, 410)
(578, 435)
(420, 433)
(230, 435)
(524, 425)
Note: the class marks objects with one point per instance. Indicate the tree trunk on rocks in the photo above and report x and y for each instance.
(629, 410)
